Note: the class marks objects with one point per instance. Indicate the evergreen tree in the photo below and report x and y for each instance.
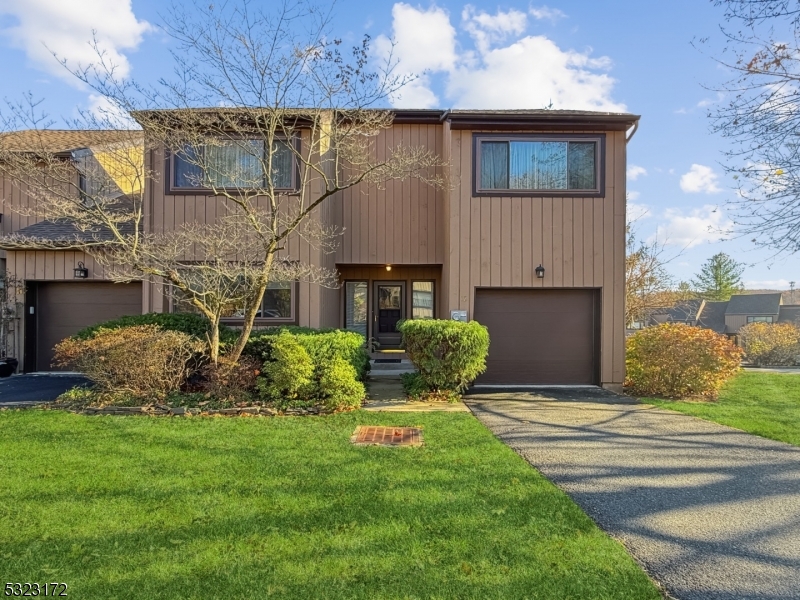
(719, 277)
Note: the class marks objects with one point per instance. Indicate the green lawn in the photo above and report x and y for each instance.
(137, 507)
(767, 404)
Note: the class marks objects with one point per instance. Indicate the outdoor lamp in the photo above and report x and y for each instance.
(540, 272)
(80, 272)
(388, 267)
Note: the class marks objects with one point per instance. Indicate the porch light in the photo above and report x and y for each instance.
(540, 272)
(80, 272)
(388, 267)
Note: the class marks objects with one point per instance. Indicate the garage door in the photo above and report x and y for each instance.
(539, 337)
(64, 308)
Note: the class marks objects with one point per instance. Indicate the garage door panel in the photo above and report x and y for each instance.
(64, 308)
(539, 336)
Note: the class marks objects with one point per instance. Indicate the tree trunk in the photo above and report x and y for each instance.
(250, 315)
(213, 340)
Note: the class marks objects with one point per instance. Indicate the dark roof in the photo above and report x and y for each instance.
(465, 119)
(62, 141)
(754, 304)
(790, 313)
(682, 311)
(713, 316)
(60, 232)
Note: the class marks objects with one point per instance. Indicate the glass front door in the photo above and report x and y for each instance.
(389, 309)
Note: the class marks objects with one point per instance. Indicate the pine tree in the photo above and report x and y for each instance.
(719, 277)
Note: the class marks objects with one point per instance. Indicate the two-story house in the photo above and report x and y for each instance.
(529, 240)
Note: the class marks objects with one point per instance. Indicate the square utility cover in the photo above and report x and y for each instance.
(369, 435)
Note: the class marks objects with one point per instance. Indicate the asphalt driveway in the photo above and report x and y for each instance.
(711, 512)
(28, 390)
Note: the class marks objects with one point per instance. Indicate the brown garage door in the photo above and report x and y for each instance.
(539, 337)
(64, 308)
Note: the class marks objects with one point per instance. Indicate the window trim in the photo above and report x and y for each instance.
(760, 319)
(344, 304)
(263, 321)
(173, 190)
(600, 165)
(433, 295)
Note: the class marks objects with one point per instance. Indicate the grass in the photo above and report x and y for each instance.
(137, 507)
(766, 404)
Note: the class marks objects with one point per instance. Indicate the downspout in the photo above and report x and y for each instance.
(629, 137)
(445, 114)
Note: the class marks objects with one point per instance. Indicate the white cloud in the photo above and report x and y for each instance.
(64, 27)
(700, 179)
(545, 12)
(423, 41)
(768, 284)
(633, 195)
(635, 171)
(523, 72)
(487, 29)
(702, 225)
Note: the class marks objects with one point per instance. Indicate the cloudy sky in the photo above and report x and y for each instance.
(635, 57)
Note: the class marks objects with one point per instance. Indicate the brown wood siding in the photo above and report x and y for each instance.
(398, 224)
(539, 337)
(64, 308)
(735, 322)
(498, 241)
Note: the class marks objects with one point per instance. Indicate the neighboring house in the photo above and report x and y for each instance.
(529, 188)
(55, 305)
(731, 315)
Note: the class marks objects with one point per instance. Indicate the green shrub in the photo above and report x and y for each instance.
(676, 360)
(416, 389)
(319, 343)
(337, 386)
(307, 369)
(449, 355)
(287, 374)
(191, 324)
(771, 343)
(144, 361)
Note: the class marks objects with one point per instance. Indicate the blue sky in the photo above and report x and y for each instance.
(636, 56)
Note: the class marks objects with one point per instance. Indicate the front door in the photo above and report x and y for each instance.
(390, 307)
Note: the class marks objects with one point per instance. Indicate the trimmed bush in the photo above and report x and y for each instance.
(188, 323)
(320, 344)
(308, 369)
(144, 361)
(337, 386)
(771, 343)
(287, 375)
(449, 355)
(675, 360)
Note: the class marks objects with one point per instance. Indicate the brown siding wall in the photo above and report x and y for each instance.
(499, 241)
(165, 212)
(401, 224)
(735, 322)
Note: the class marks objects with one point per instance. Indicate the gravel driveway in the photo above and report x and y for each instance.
(710, 511)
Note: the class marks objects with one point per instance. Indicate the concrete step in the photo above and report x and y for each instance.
(379, 369)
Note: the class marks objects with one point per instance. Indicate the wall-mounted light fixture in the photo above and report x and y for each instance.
(388, 267)
(80, 272)
(540, 272)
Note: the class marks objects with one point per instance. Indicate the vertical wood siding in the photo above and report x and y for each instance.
(499, 241)
(398, 224)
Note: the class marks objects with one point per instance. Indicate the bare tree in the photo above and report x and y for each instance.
(648, 284)
(266, 114)
(760, 116)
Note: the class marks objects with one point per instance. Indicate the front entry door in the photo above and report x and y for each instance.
(390, 307)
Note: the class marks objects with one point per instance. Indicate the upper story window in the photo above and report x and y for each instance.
(233, 164)
(542, 165)
(764, 319)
